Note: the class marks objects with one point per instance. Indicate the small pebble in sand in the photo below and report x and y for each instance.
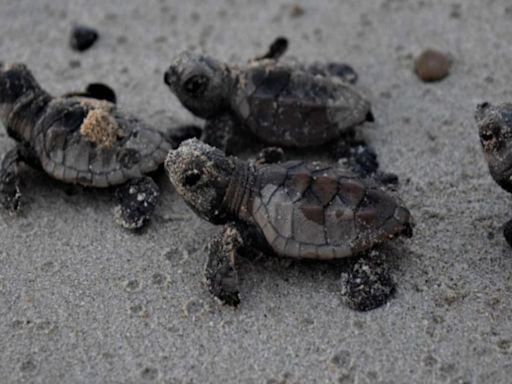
(432, 65)
(82, 38)
(296, 10)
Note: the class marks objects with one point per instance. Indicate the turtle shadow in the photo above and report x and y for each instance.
(41, 193)
(246, 145)
(362, 282)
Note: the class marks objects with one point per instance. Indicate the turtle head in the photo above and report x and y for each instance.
(201, 175)
(201, 83)
(495, 131)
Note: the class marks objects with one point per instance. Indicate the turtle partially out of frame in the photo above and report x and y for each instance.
(495, 131)
(80, 140)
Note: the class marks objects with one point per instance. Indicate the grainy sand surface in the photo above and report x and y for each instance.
(83, 301)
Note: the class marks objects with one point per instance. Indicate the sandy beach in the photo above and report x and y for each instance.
(84, 301)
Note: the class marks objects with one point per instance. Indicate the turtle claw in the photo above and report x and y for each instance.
(136, 201)
(221, 273)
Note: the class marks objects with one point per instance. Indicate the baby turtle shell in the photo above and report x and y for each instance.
(295, 108)
(94, 143)
(315, 211)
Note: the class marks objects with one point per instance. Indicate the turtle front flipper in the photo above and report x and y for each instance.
(275, 50)
(221, 273)
(98, 91)
(507, 232)
(136, 202)
(9, 180)
(368, 284)
(177, 135)
(220, 131)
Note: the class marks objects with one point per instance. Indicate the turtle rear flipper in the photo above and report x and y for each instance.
(221, 274)
(136, 202)
(294, 108)
(368, 283)
(94, 144)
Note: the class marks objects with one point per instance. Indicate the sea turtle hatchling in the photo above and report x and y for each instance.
(297, 209)
(79, 140)
(289, 105)
(495, 131)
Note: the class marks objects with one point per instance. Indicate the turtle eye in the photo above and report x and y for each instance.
(191, 178)
(196, 85)
(492, 137)
(490, 133)
(486, 136)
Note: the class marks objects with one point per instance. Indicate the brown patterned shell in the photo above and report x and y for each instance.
(310, 210)
(129, 148)
(283, 105)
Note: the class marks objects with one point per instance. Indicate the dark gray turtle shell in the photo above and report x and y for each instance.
(68, 155)
(283, 105)
(315, 211)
